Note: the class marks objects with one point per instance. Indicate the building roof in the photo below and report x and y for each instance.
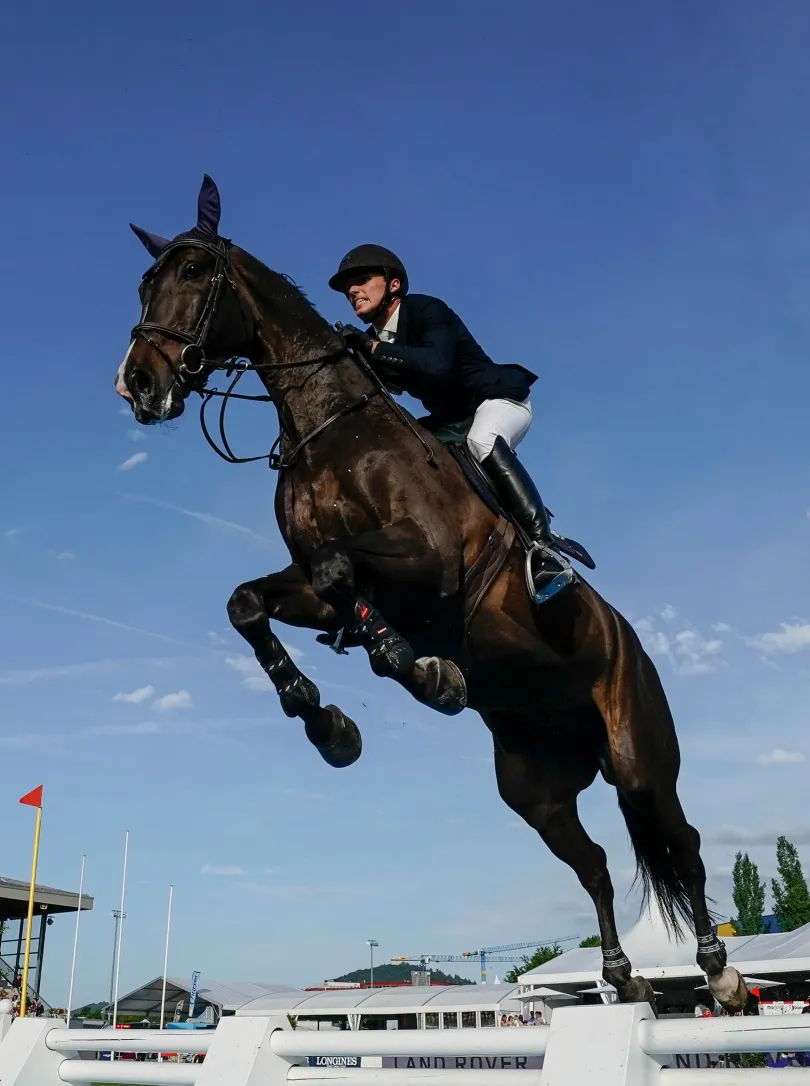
(228, 995)
(14, 899)
(656, 954)
(444, 997)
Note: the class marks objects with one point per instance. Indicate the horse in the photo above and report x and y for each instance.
(386, 534)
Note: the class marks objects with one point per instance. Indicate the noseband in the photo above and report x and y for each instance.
(192, 359)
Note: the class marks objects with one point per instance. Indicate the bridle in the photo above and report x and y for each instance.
(192, 361)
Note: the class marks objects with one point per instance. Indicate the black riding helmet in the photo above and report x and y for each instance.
(370, 258)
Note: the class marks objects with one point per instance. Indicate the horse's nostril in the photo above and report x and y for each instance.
(142, 380)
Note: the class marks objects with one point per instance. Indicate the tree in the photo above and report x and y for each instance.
(592, 940)
(791, 899)
(542, 955)
(749, 896)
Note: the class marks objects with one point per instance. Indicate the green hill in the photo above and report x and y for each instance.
(386, 974)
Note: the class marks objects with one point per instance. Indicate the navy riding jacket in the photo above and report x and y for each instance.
(435, 359)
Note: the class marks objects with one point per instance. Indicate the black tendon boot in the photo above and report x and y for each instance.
(547, 571)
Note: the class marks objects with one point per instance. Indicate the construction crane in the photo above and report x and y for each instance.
(483, 954)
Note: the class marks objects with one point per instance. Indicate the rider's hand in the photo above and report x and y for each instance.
(357, 340)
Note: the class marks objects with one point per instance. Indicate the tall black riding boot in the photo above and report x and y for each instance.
(522, 500)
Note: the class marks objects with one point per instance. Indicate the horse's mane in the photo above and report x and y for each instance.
(281, 290)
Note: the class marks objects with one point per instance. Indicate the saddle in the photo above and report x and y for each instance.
(481, 484)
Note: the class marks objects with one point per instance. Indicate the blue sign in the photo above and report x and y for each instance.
(192, 998)
(333, 1061)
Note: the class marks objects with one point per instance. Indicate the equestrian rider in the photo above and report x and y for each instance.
(418, 345)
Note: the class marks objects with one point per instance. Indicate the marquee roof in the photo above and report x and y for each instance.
(658, 956)
(226, 995)
(394, 1001)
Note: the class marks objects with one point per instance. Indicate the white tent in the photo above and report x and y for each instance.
(658, 956)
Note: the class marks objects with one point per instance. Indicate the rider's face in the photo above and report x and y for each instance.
(366, 290)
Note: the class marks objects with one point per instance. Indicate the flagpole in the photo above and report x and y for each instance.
(75, 943)
(120, 931)
(166, 963)
(30, 920)
(166, 957)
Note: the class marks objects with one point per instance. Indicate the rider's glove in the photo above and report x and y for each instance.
(356, 339)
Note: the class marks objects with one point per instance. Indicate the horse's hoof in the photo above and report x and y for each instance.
(729, 989)
(391, 658)
(441, 685)
(344, 745)
(636, 990)
(299, 696)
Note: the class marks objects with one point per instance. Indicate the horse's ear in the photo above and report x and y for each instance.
(153, 243)
(208, 206)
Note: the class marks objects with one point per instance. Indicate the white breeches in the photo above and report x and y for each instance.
(498, 418)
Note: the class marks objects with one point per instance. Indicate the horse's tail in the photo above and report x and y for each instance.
(655, 870)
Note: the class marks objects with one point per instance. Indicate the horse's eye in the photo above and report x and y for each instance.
(192, 271)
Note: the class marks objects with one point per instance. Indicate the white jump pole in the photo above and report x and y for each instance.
(75, 943)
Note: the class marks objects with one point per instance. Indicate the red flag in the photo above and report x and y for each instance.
(33, 799)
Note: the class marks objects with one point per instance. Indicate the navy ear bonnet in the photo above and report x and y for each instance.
(208, 212)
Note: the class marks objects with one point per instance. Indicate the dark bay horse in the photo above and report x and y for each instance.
(382, 528)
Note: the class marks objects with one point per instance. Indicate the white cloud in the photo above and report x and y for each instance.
(133, 461)
(225, 869)
(104, 621)
(687, 650)
(216, 639)
(271, 871)
(667, 612)
(737, 835)
(65, 556)
(778, 756)
(136, 435)
(694, 653)
(253, 676)
(721, 627)
(792, 637)
(146, 727)
(12, 532)
(179, 700)
(24, 676)
(135, 697)
(204, 518)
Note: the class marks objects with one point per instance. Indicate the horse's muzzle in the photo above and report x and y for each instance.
(151, 402)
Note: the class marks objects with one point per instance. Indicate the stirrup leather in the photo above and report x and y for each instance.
(558, 582)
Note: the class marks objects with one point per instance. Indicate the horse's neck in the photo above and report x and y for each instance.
(306, 396)
(289, 334)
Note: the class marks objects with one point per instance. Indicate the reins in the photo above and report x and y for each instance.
(192, 362)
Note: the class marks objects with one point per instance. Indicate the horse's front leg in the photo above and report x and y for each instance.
(288, 596)
(344, 575)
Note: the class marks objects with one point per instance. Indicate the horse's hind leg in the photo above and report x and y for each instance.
(344, 575)
(288, 596)
(643, 761)
(541, 770)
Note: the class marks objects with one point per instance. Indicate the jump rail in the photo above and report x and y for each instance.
(609, 1045)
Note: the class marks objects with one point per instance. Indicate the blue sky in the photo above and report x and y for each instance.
(615, 195)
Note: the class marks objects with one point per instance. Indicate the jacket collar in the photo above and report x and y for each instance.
(402, 324)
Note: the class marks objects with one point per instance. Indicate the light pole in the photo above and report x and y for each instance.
(371, 944)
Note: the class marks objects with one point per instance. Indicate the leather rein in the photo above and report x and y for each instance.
(193, 362)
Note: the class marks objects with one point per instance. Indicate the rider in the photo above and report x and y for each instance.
(418, 345)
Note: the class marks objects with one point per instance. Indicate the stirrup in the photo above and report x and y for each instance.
(558, 582)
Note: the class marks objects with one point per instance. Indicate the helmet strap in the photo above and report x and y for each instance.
(385, 301)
